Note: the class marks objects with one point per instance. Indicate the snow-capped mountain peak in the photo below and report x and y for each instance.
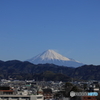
(50, 56)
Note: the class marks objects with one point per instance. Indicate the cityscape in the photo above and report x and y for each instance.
(47, 90)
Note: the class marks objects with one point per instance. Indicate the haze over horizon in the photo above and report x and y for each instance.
(70, 27)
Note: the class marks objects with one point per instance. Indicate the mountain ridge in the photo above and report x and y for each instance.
(26, 70)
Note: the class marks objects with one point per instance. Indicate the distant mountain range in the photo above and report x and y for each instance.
(26, 70)
(52, 57)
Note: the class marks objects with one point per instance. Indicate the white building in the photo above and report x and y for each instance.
(21, 97)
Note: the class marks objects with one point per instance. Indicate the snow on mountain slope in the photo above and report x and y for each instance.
(50, 56)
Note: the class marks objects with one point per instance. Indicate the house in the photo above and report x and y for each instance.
(89, 98)
(6, 90)
(47, 93)
(40, 91)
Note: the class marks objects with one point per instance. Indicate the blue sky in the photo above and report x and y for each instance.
(70, 27)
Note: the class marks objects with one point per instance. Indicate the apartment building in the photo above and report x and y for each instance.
(21, 97)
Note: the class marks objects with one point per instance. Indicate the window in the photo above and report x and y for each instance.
(39, 97)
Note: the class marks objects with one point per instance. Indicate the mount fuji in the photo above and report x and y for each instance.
(52, 57)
